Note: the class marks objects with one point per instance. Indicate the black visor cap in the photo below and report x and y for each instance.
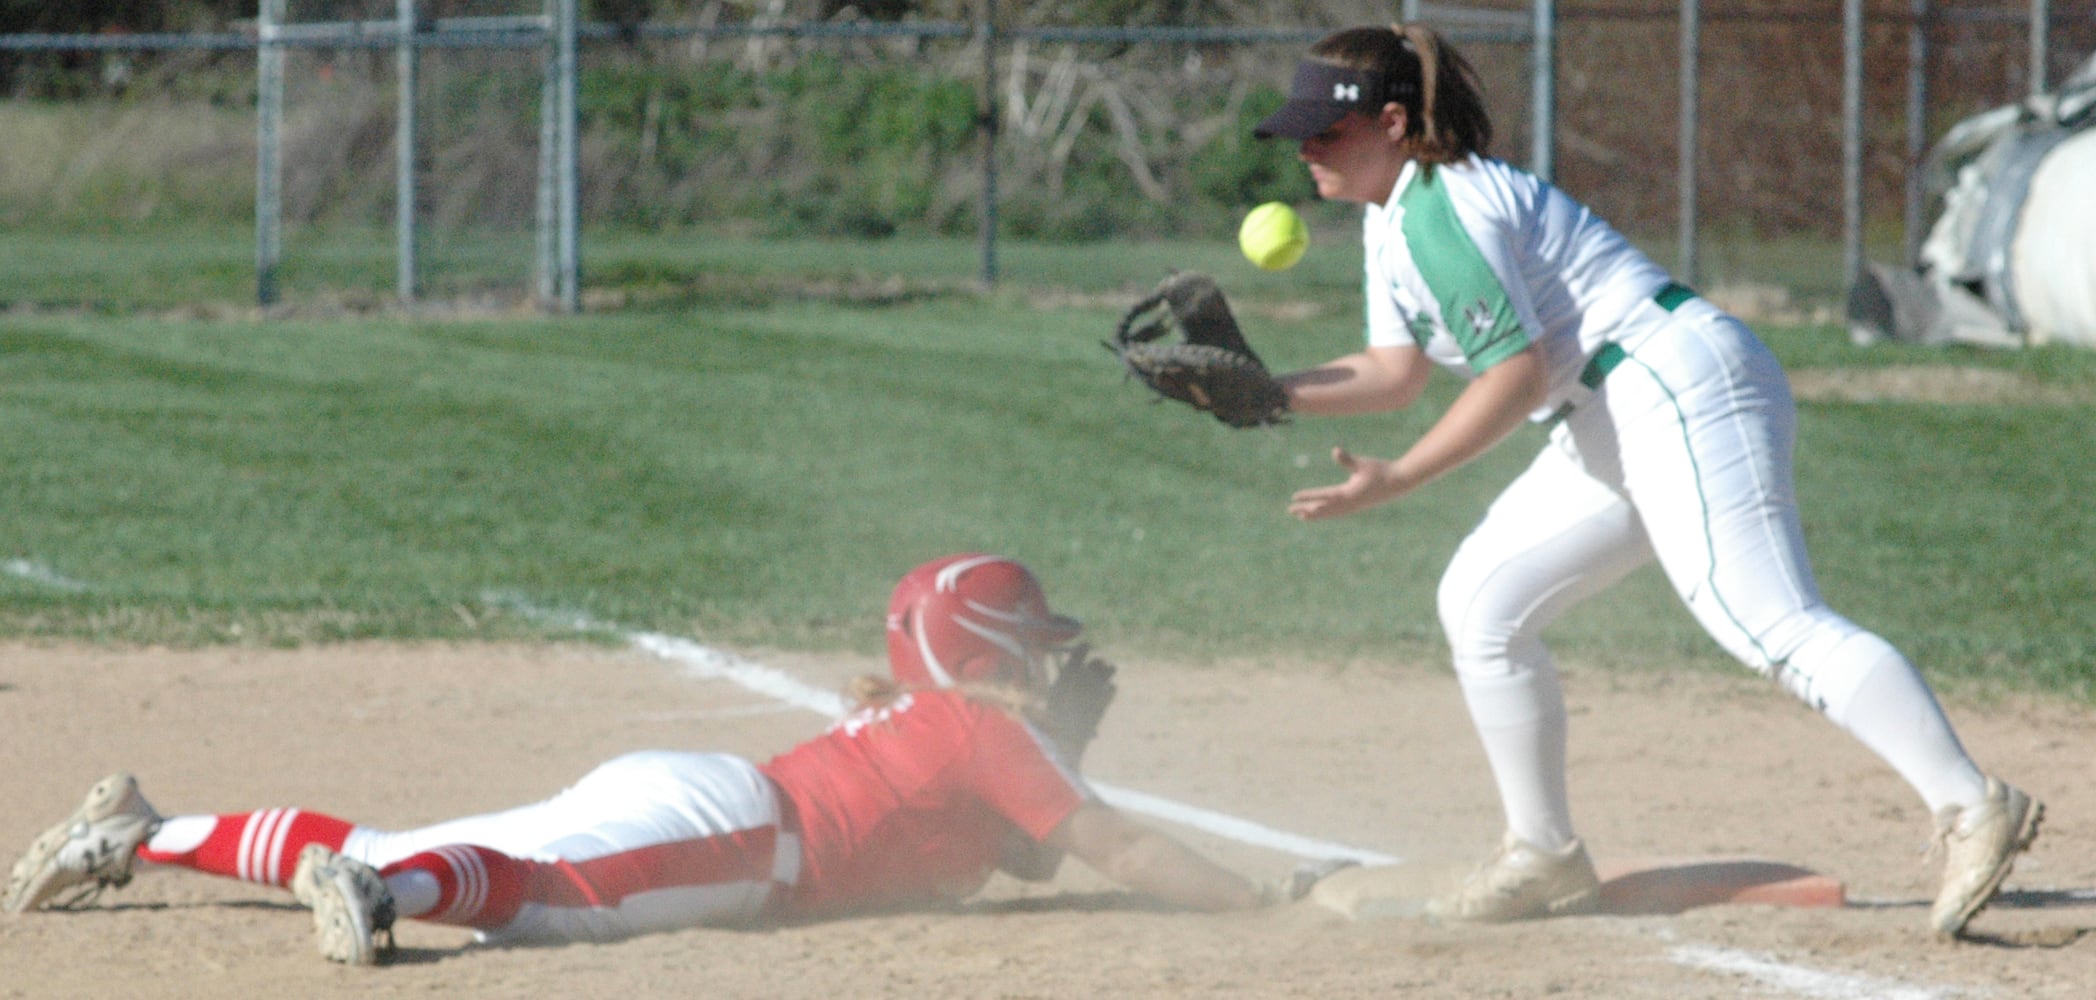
(1320, 95)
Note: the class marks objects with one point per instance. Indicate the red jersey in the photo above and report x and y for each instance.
(913, 802)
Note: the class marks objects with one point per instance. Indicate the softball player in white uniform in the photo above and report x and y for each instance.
(1671, 438)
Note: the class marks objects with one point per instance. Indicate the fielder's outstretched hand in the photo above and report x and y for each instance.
(1369, 481)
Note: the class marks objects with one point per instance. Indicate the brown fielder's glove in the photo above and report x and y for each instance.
(1208, 366)
(1077, 699)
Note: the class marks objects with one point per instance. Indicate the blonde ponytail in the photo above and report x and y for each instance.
(1453, 120)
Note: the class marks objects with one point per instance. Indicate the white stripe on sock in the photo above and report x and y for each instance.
(248, 832)
(470, 879)
(275, 859)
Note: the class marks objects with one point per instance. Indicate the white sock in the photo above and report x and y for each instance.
(1520, 718)
(181, 834)
(1872, 691)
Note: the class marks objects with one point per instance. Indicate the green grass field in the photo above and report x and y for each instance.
(765, 435)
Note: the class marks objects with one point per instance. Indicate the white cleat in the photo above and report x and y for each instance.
(1980, 845)
(352, 909)
(90, 851)
(1521, 882)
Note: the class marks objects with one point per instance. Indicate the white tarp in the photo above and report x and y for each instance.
(2053, 264)
(2011, 260)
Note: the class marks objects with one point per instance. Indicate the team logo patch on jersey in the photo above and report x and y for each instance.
(1480, 316)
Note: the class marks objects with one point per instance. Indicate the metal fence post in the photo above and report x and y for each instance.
(1916, 191)
(546, 267)
(986, 36)
(1691, 41)
(569, 194)
(557, 240)
(2040, 44)
(407, 63)
(1543, 91)
(269, 164)
(1851, 144)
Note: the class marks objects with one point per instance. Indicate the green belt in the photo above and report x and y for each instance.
(1669, 297)
(1604, 361)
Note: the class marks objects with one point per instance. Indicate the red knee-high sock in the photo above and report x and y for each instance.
(478, 887)
(258, 846)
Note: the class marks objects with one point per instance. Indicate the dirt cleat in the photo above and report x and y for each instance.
(352, 909)
(1980, 845)
(90, 851)
(1521, 882)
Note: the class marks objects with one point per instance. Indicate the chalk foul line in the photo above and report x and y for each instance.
(1798, 980)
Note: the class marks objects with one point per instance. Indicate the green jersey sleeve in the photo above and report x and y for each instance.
(1472, 301)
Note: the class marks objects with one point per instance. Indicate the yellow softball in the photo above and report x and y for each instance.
(1273, 236)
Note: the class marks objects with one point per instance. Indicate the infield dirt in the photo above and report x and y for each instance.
(1378, 757)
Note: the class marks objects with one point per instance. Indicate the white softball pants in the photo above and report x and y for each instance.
(1684, 455)
(630, 804)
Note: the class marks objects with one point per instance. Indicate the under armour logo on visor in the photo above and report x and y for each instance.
(1348, 92)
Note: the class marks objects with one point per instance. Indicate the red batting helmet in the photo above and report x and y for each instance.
(970, 617)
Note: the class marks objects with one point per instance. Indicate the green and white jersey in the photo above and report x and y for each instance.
(1479, 260)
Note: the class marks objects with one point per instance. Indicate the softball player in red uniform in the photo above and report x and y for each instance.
(939, 778)
(1671, 431)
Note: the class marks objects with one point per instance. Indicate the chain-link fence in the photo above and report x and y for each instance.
(868, 122)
